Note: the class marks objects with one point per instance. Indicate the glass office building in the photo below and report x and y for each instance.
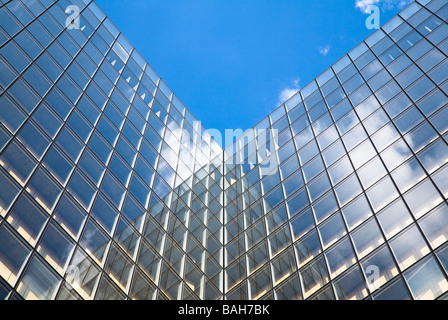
(110, 189)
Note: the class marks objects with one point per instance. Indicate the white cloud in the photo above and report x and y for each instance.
(324, 50)
(364, 5)
(288, 92)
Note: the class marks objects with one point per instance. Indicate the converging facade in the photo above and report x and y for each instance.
(110, 188)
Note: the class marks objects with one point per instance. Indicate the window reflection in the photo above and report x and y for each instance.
(351, 286)
(308, 248)
(94, 241)
(13, 254)
(55, 247)
(426, 280)
(422, 198)
(315, 276)
(39, 282)
(28, 218)
(367, 238)
(18, 162)
(409, 247)
(160, 232)
(441, 180)
(380, 261)
(382, 193)
(434, 156)
(332, 230)
(340, 257)
(395, 290)
(435, 226)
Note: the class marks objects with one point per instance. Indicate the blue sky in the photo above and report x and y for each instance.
(231, 62)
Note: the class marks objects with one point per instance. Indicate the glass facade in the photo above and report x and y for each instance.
(110, 188)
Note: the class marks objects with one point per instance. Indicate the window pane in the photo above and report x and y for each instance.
(314, 276)
(357, 212)
(332, 230)
(13, 253)
(56, 247)
(38, 281)
(308, 248)
(340, 257)
(426, 280)
(394, 218)
(94, 241)
(422, 198)
(351, 286)
(70, 216)
(88, 272)
(302, 223)
(379, 268)
(81, 189)
(348, 190)
(11, 115)
(44, 189)
(28, 218)
(104, 213)
(58, 164)
(113, 190)
(435, 226)
(395, 290)
(325, 207)
(435, 156)
(18, 162)
(382, 193)
(33, 139)
(367, 238)
(441, 180)
(409, 247)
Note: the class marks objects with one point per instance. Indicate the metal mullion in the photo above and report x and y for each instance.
(274, 153)
(413, 154)
(239, 234)
(114, 151)
(306, 183)
(32, 20)
(54, 84)
(54, 39)
(433, 13)
(419, 33)
(5, 3)
(224, 234)
(118, 138)
(424, 116)
(374, 213)
(64, 188)
(161, 229)
(242, 234)
(333, 188)
(295, 241)
(379, 157)
(140, 233)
